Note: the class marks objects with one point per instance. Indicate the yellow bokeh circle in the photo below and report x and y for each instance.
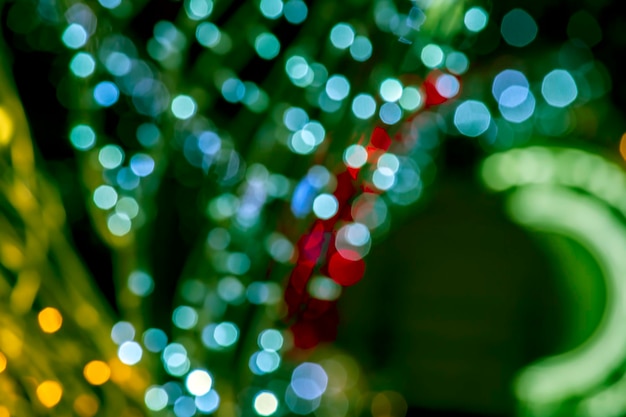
(86, 405)
(49, 393)
(50, 320)
(97, 372)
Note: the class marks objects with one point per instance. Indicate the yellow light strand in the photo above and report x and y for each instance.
(6, 127)
(3, 362)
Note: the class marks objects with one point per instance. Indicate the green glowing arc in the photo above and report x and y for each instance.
(590, 223)
(543, 199)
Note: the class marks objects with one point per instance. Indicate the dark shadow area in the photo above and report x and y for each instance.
(453, 305)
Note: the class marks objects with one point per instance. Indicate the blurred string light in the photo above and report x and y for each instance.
(50, 320)
(411, 99)
(110, 4)
(267, 45)
(517, 104)
(391, 90)
(265, 403)
(390, 113)
(156, 398)
(105, 197)
(457, 62)
(309, 381)
(607, 401)
(122, 331)
(325, 206)
(472, 118)
(511, 90)
(544, 202)
(6, 131)
(363, 106)
(355, 156)
(106, 93)
(270, 340)
(518, 28)
(198, 9)
(82, 65)
(208, 403)
(337, 87)
(82, 137)
(361, 49)
(447, 85)
(570, 167)
(183, 107)
(264, 362)
(74, 36)
(324, 288)
(342, 35)
(475, 19)
(198, 382)
(49, 393)
(111, 156)
(127, 206)
(594, 361)
(74, 320)
(154, 340)
(271, 9)
(208, 34)
(432, 55)
(184, 317)
(295, 11)
(97, 372)
(559, 88)
(120, 77)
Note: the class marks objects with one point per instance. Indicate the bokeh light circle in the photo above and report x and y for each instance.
(344, 271)
(559, 88)
(472, 118)
(518, 28)
(265, 403)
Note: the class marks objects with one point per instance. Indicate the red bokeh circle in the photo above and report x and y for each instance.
(345, 271)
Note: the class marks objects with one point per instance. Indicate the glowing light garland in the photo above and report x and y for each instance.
(542, 201)
(109, 72)
(122, 180)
